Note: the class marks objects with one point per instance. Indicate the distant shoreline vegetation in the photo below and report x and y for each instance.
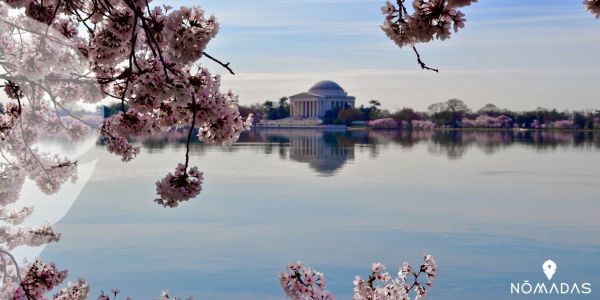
(451, 114)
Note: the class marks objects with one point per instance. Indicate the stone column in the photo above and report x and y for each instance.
(321, 108)
(307, 109)
(303, 108)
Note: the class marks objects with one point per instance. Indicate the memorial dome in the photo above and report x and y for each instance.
(327, 87)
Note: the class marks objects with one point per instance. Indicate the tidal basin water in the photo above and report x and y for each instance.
(491, 207)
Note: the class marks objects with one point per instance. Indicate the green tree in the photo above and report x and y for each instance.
(405, 114)
(330, 116)
(276, 111)
(283, 110)
(449, 113)
(374, 111)
(348, 115)
(490, 110)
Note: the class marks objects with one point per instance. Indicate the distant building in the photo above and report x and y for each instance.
(323, 96)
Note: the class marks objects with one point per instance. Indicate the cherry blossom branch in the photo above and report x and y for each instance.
(4, 252)
(4, 269)
(189, 138)
(141, 56)
(303, 283)
(430, 20)
(5, 158)
(57, 104)
(416, 280)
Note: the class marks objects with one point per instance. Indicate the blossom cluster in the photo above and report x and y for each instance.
(593, 6)
(389, 123)
(560, 124)
(486, 121)
(433, 19)
(385, 123)
(380, 284)
(302, 283)
(422, 124)
(74, 291)
(179, 186)
(429, 20)
(144, 57)
(596, 122)
(39, 279)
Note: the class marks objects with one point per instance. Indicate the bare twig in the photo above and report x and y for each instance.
(224, 65)
(423, 65)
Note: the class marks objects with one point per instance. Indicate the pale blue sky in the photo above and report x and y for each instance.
(515, 53)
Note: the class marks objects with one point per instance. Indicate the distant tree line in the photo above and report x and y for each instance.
(453, 113)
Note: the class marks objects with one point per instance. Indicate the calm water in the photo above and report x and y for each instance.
(490, 206)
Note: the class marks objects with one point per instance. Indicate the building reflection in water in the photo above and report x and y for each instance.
(327, 152)
(324, 152)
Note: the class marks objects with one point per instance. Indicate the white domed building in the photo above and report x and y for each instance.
(323, 96)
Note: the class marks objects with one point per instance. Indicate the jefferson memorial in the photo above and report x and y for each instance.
(323, 96)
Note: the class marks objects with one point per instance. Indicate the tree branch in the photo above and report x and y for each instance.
(189, 138)
(423, 65)
(224, 65)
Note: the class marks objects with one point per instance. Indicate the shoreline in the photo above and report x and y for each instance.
(349, 128)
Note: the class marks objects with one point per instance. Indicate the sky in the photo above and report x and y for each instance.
(519, 54)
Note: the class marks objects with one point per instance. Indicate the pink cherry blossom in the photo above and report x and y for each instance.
(74, 291)
(179, 186)
(386, 123)
(432, 19)
(380, 285)
(485, 121)
(593, 6)
(422, 124)
(39, 279)
(388, 8)
(301, 283)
